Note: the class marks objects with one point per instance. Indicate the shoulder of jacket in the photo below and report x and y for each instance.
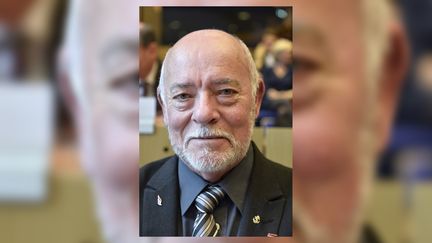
(148, 170)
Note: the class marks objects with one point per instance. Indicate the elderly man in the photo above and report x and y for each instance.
(218, 184)
(149, 65)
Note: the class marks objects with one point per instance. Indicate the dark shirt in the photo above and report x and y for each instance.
(272, 81)
(275, 82)
(228, 213)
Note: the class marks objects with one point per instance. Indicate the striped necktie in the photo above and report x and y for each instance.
(206, 202)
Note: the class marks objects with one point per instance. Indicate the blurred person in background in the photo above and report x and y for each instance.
(149, 64)
(98, 67)
(278, 82)
(148, 60)
(424, 78)
(28, 38)
(263, 55)
(218, 183)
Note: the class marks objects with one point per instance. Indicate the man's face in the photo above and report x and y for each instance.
(109, 62)
(330, 86)
(208, 104)
(331, 97)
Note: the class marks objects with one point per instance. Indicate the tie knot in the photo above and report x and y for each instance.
(209, 199)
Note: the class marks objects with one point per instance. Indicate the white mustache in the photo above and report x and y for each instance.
(206, 132)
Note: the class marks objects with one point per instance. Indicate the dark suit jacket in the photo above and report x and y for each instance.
(269, 195)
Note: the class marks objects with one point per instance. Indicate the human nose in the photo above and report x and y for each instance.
(205, 110)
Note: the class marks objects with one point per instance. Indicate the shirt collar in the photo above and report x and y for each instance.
(234, 183)
(190, 184)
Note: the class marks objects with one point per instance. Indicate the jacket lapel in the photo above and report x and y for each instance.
(161, 196)
(263, 208)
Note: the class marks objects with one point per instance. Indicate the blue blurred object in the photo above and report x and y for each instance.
(411, 137)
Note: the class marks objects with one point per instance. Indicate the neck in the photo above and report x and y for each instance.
(212, 177)
(331, 208)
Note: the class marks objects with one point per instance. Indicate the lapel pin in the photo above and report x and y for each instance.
(159, 200)
(256, 219)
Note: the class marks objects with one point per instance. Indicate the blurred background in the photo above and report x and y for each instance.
(267, 31)
(44, 193)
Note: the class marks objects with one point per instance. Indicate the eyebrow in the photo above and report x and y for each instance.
(180, 86)
(116, 52)
(214, 82)
(119, 45)
(226, 81)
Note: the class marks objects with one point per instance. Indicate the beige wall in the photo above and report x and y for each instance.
(68, 215)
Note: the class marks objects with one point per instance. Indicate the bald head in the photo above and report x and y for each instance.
(203, 43)
(207, 37)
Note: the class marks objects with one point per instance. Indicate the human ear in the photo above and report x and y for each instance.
(395, 65)
(259, 96)
(162, 104)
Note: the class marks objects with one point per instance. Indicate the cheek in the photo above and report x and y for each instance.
(326, 136)
(238, 118)
(118, 145)
(321, 146)
(178, 120)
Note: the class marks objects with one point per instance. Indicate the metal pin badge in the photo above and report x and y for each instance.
(159, 200)
(217, 230)
(256, 219)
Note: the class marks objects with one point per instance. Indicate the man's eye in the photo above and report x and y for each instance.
(227, 92)
(127, 85)
(302, 65)
(182, 97)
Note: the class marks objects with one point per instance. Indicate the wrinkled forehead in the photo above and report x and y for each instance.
(207, 47)
(102, 36)
(333, 20)
(207, 56)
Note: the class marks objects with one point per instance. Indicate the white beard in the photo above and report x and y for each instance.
(208, 160)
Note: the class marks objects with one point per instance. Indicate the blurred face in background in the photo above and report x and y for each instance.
(148, 54)
(284, 57)
(268, 39)
(101, 57)
(337, 130)
(103, 54)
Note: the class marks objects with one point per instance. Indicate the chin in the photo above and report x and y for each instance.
(206, 161)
